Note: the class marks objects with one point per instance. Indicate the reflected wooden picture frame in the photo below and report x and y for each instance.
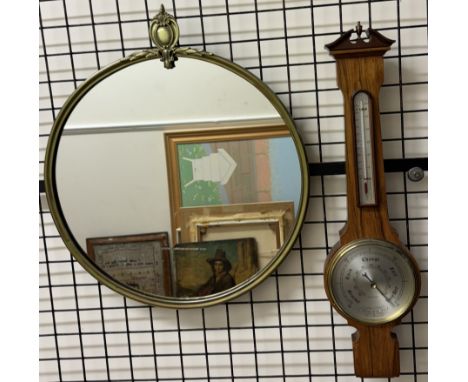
(191, 157)
(269, 223)
(141, 261)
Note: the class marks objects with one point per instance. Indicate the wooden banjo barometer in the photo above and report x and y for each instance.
(371, 279)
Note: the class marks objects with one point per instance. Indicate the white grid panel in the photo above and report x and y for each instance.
(284, 330)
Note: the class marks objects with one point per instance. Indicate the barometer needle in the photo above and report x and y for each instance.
(374, 285)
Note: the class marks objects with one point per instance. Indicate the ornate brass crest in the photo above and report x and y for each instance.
(164, 32)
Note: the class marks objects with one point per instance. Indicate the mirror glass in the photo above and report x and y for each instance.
(178, 186)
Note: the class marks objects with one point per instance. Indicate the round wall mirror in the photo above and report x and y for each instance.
(180, 188)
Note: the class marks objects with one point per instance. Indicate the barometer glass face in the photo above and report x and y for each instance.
(372, 281)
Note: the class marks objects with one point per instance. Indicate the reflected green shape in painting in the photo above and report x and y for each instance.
(199, 193)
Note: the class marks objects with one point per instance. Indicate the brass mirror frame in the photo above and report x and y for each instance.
(74, 247)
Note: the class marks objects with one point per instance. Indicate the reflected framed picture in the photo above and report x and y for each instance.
(140, 261)
(204, 268)
(227, 166)
(269, 223)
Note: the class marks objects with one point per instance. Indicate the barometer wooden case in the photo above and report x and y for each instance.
(371, 279)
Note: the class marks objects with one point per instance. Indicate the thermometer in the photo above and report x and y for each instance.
(362, 107)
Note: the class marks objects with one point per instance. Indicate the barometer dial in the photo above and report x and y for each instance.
(372, 281)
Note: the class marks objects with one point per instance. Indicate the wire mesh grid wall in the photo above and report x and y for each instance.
(285, 329)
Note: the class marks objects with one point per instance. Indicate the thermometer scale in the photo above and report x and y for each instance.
(364, 152)
(370, 278)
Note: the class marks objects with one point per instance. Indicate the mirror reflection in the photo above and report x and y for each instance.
(179, 183)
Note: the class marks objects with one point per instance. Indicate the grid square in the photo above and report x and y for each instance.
(47, 346)
(219, 365)
(267, 339)
(104, 11)
(416, 124)
(294, 338)
(141, 344)
(415, 97)
(167, 342)
(44, 300)
(195, 366)
(344, 362)
(246, 54)
(290, 288)
(135, 36)
(56, 41)
(320, 337)
(313, 261)
(77, 12)
(296, 363)
(414, 69)
(93, 345)
(192, 342)
(318, 315)
(413, 41)
(193, 35)
(326, 20)
(242, 340)
(269, 364)
(396, 206)
(413, 12)
(119, 368)
(384, 15)
(144, 368)
(52, 13)
(72, 369)
(270, 25)
(391, 126)
(117, 344)
(276, 78)
(266, 291)
(336, 208)
(243, 26)
(217, 341)
(389, 99)
(69, 346)
(215, 317)
(82, 39)
(316, 236)
(59, 68)
(292, 313)
(191, 319)
(273, 52)
(391, 70)
(302, 78)
(298, 22)
(108, 37)
(169, 367)
(48, 369)
(392, 149)
(304, 105)
(132, 9)
(115, 320)
(240, 315)
(216, 29)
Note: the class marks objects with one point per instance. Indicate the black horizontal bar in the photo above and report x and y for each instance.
(390, 165)
(338, 168)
